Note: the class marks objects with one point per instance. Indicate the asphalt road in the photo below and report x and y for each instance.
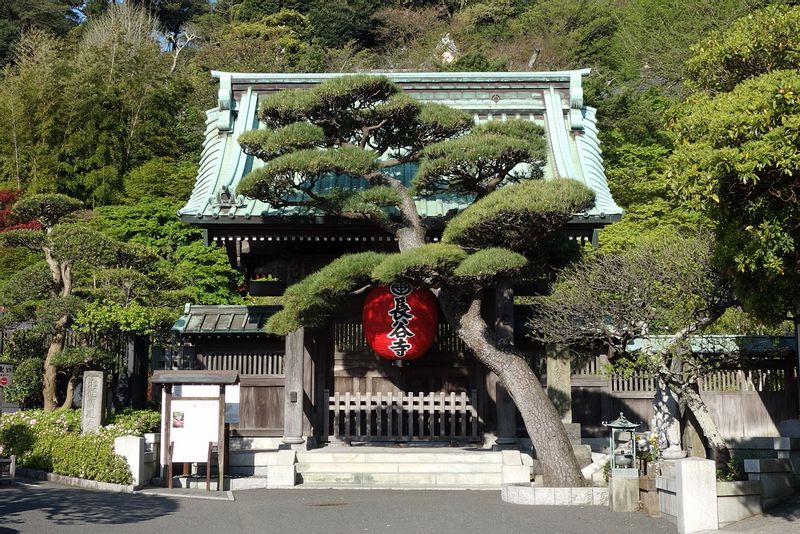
(49, 508)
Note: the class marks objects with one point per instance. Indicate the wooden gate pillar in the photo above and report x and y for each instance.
(293, 391)
(504, 328)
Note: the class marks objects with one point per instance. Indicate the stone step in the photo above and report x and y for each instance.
(252, 457)
(488, 457)
(475, 480)
(248, 470)
(239, 443)
(232, 484)
(395, 467)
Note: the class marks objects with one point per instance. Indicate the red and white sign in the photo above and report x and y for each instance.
(400, 321)
(6, 369)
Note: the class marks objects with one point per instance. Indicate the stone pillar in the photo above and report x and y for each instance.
(93, 408)
(504, 328)
(132, 449)
(559, 380)
(293, 389)
(696, 491)
(623, 493)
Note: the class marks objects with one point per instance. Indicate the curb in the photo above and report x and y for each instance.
(76, 482)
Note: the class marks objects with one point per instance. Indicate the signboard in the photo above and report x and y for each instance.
(6, 370)
(193, 423)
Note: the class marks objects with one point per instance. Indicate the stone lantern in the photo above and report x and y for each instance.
(622, 464)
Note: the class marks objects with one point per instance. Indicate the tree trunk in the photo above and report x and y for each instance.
(70, 396)
(49, 392)
(544, 426)
(716, 443)
(62, 277)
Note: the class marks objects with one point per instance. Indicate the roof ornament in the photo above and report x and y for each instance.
(225, 198)
(226, 104)
(575, 101)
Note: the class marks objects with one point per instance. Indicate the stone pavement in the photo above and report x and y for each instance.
(784, 518)
(43, 507)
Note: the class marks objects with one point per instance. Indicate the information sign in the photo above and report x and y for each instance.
(6, 370)
(193, 423)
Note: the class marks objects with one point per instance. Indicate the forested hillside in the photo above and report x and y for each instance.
(104, 103)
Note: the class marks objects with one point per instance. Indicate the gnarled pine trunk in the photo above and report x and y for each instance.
(559, 465)
(544, 426)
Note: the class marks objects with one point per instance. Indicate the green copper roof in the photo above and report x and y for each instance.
(230, 319)
(552, 99)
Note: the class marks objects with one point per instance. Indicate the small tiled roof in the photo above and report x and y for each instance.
(223, 319)
(552, 99)
(201, 377)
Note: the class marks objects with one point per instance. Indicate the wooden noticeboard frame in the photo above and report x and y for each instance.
(218, 378)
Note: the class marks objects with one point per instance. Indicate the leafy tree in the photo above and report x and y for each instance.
(13, 259)
(644, 303)
(336, 22)
(31, 94)
(173, 15)
(654, 37)
(280, 42)
(122, 107)
(160, 178)
(203, 274)
(344, 126)
(255, 10)
(19, 16)
(51, 300)
(89, 281)
(24, 348)
(737, 156)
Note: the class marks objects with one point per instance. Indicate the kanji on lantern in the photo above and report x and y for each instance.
(400, 321)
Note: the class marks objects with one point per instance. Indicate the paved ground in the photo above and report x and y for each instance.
(784, 518)
(45, 507)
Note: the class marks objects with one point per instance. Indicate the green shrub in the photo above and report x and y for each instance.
(52, 441)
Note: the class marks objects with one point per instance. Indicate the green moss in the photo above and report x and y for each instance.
(490, 263)
(427, 265)
(309, 302)
(518, 128)
(476, 162)
(439, 121)
(519, 216)
(268, 144)
(299, 171)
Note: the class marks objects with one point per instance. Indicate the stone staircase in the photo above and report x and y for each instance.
(408, 468)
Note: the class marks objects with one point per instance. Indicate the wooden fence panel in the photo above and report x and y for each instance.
(745, 402)
(402, 416)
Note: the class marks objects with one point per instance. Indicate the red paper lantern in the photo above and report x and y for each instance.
(400, 321)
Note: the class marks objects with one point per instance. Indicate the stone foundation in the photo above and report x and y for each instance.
(543, 496)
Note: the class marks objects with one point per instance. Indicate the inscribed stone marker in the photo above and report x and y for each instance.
(94, 400)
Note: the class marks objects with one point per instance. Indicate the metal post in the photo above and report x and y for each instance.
(797, 359)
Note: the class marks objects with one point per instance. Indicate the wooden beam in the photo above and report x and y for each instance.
(293, 390)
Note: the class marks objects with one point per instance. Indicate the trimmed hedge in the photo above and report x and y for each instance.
(52, 441)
